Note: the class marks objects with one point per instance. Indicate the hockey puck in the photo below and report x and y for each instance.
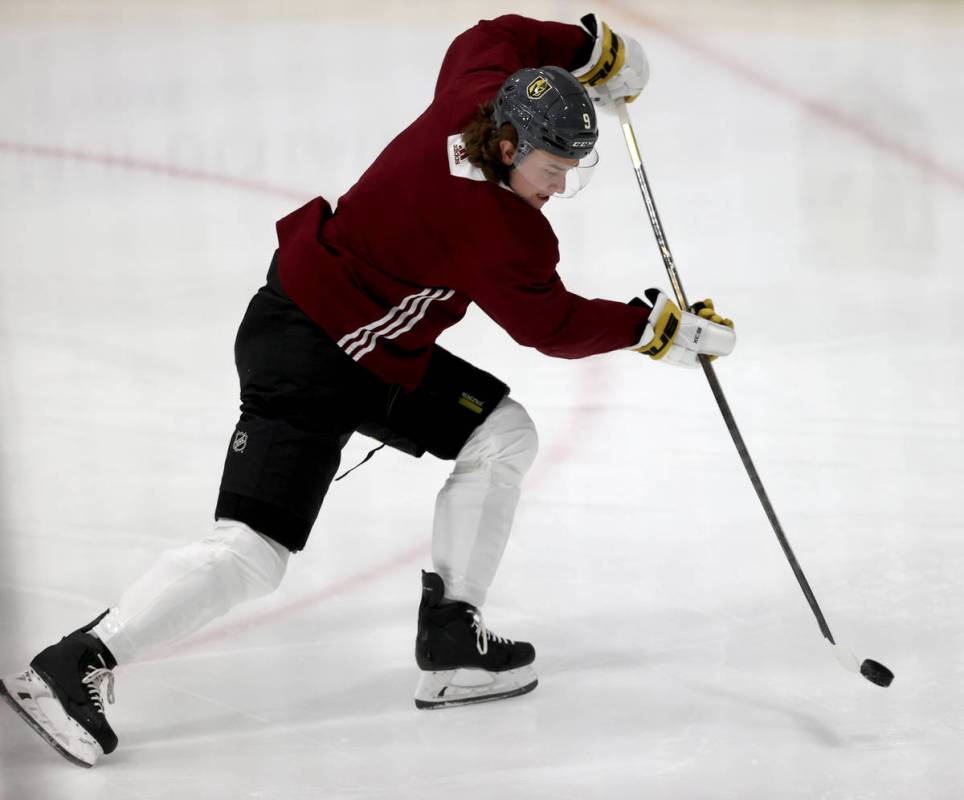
(877, 673)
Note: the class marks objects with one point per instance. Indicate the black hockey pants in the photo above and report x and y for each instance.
(302, 398)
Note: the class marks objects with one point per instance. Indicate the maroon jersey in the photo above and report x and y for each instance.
(422, 234)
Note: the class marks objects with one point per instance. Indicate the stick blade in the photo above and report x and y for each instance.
(873, 671)
(876, 673)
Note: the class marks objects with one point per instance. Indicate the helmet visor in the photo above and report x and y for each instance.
(554, 175)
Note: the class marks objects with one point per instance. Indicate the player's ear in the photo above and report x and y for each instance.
(508, 152)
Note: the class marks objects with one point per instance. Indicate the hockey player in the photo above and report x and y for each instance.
(342, 339)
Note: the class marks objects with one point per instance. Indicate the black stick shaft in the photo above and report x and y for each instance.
(710, 373)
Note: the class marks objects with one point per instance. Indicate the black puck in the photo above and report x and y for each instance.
(877, 673)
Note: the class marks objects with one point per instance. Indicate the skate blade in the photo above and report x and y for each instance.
(460, 687)
(30, 696)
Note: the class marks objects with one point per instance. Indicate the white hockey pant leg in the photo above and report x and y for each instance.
(475, 508)
(190, 586)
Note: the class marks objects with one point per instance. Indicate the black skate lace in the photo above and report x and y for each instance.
(483, 635)
(95, 679)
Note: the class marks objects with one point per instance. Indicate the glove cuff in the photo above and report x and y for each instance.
(661, 327)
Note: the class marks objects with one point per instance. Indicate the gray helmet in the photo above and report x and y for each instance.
(550, 111)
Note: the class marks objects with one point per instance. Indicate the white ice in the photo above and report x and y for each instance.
(806, 159)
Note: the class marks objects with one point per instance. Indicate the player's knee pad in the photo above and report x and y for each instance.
(506, 442)
(246, 562)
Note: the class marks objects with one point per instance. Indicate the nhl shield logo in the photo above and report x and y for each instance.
(538, 88)
(240, 442)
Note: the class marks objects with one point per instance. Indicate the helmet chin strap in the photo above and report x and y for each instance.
(522, 149)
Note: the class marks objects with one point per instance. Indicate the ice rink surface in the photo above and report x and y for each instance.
(806, 159)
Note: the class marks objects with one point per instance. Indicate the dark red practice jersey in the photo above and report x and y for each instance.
(423, 234)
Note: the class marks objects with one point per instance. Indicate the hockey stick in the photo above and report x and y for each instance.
(873, 671)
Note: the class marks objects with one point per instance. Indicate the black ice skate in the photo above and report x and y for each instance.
(461, 661)
(61, 696)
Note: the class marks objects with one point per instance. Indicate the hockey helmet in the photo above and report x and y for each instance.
(550, 112)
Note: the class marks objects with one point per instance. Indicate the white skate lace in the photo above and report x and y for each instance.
(99, 679)
(483, 635)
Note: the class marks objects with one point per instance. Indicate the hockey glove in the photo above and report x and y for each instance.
(704, 309)
(679, 337)
(617, 67)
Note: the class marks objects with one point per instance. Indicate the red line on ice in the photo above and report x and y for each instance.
(154, 167)
(342, 586)
(818, 108)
